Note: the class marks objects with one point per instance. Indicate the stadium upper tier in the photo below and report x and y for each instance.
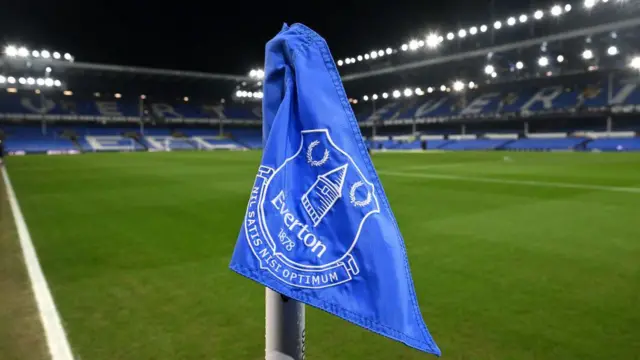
(619, 96)
(28, 105)
(424, 105)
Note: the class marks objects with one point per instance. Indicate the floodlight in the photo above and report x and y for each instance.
(40, 81)
(635, 62)
(67, 56)
(511, 21)
(31, 81)
(389, 51)
(483, 28)
(35, 53)
(519, 65)
(419, 92)
(45, 54)
(494, 75)
(374, 54)
(473, 30)
(11, 51)
(396, 93)
(567, 8)
(450, 36)
(57, 83)
(587, 54)
(48, 69)
(380, 52)
(360, 58)
(48, 82)
(429, 89)
(340, 62)
(489, 69)
(11, 80)
(443, 87)
(543, 61)
(374, 97)
(365, 98)
(458, 85)
(538, 14)
(560, 58)
(385, 95)
(462, 33)
(497, 25)
(420, 43)
(413, 44)
(432, 40)
(404, 47)
(556, 10)
(56, 55)
(472, 85)
(407, 92)
(2, 79)
(589, 3)
(612, 50)
(23, 52)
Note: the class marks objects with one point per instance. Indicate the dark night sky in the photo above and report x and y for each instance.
(225, 36)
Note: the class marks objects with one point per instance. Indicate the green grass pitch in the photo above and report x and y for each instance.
(534, 256)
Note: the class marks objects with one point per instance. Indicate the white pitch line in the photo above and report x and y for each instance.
(55, 335)
(517, 182)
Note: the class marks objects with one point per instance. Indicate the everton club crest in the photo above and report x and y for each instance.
(307, 215)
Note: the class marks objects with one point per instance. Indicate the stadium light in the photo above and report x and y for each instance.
(375, 54)
(11, 51)
(48, 82)
(374, 97)
(365, 98)
(635, 62)
(347, 61)
(543, 61)
(419, 92)
(458, 86)
(497, 25)
(483, 28)
(67, 57)
(443, 88)
(567, 8)
(252, 73)
(381, 52)
(511, 21)
(340, 62)
(407, 92)
(560, 58)
(472, 85)
(556, 10)
(396, 93)
(450, 36)
(366, 56)
(360, 58)
(473, 30)
(48, 69)
(23, 52)
(538, 14)
(413, 45)
(612, 50)
(11, 80)
(389, 51)
(589, 3)
(56, 55)
(404, 47)
(519, 65)
(523, 18)
(429, 89)
(40, 82)
(489, 69)
(385, 95)
(587, 54)
(2, 79)
(462, 33)
(31, 81)
(45, 54)
(494, 75)
(186, 99)
(433, 40)
(35, 53)
(22, 80)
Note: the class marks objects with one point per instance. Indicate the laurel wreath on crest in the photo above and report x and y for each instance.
(352, 195)
(310, 160)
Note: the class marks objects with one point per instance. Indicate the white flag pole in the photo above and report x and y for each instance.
(285, 327)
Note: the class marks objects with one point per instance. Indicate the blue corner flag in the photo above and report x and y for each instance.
(318, 227)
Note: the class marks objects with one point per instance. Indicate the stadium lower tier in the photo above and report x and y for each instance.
(25, 140)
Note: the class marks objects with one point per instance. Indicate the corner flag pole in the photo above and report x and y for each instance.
(284, 317)
(285, 327)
